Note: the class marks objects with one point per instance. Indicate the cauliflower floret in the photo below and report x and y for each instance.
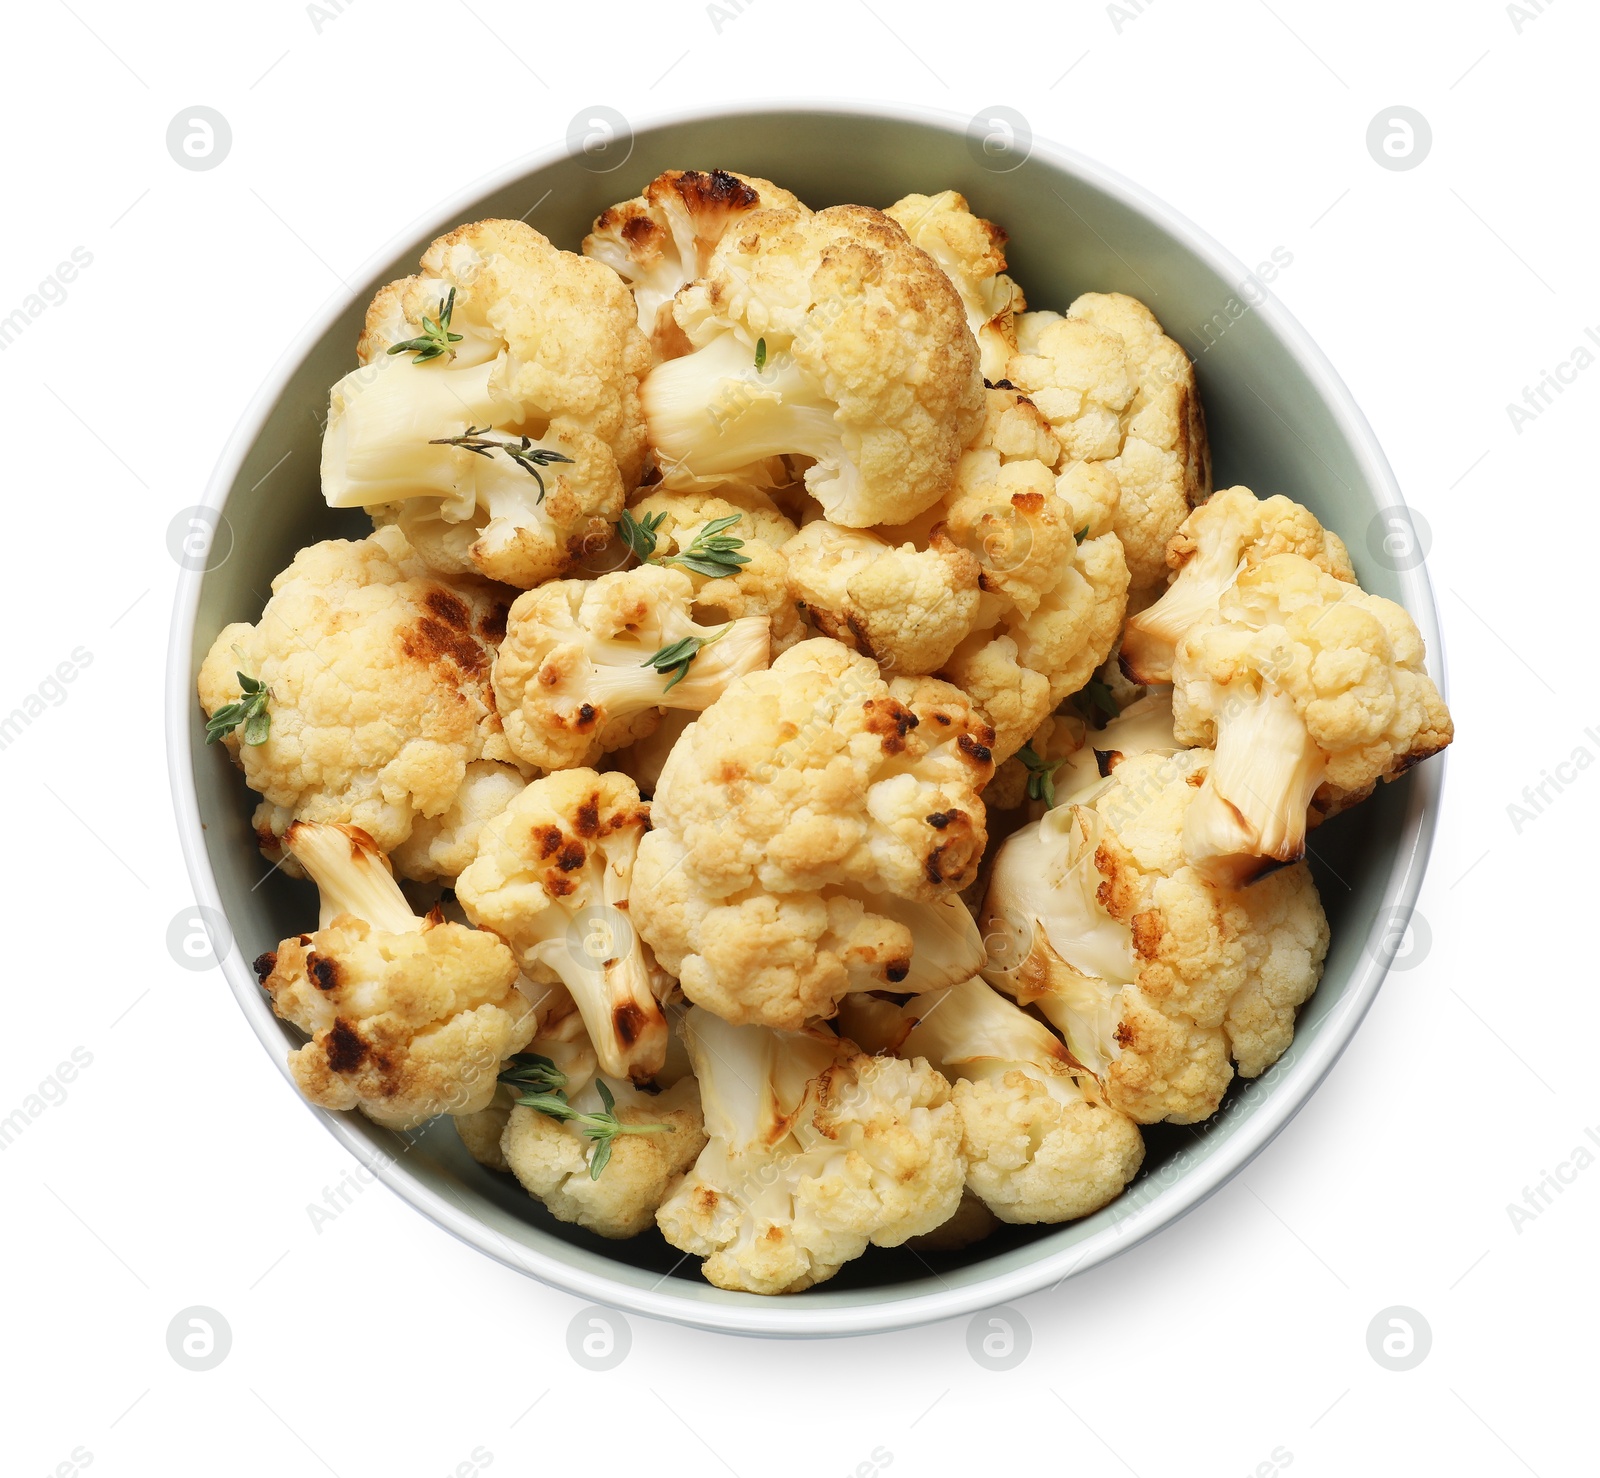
(662, 240)
(1152, 973)
(757, 587)
(496, 412)
(968, 1225)
(1311, 691)
(408, 1017)
(866, 366)
(971, 252)
(906, 608)
(643, 760)
(440, 846)
(819, 772)
(1143, 727)
(1039, 1148)
(562, 1043)
(1027, 663)
(816, 1150)
(1233, 530)
(809, 825)
(1120, 393)
(576, 674)
(379, 678)
(552, 878)
(553, 1159)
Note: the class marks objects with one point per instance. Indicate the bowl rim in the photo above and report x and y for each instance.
(871, 1310)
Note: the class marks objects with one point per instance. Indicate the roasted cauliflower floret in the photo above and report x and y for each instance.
(552, 878)
(408, 1017)
(797, 819)
(816, 1151)
(907, 608)
(1233, 530)
(1152, 973)
(378, 672)
(1311, 691)
(440, 846)
(1119, 392)
(562, 1042)
(829, 337)
(820, 772)
(1143, 727)
(553, 1158)
(1028, 662)
(496, 411)
(971, 252)
(588, 665)
(759, 586)
(662, 240)
(1040, 1144)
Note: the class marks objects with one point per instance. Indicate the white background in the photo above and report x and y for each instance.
(178, 1170)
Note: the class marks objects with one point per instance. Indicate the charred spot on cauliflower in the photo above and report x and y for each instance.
(574, 676)
(379, 671)
(408, 1017)
(663, 239)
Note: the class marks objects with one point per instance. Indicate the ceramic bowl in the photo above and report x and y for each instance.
(1280, 421)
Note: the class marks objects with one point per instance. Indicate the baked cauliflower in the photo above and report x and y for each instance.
(496, 411)
(660, 1137)
(588, 666)
(1120, 393)
(408, 1017)
(829, 337)
(1038, 1146)
(1232, 530)
(1143, 727)
(662, 240)
(378, 674)
(1018, 670)
(751, 579)
(815, 1151)
(560, 1041)
(552, 878)
(1154, 975)
(1311, 692)
(971, 252)
(906, 608)
(440, 846)
(797, 801)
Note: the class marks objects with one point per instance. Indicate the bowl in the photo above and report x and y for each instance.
(1281, 421)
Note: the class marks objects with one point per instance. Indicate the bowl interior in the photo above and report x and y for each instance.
(1279, 422)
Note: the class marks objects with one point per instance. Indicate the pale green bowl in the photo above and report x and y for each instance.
(1281, 421)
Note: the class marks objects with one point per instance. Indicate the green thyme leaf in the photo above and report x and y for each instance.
(530, 1070)
(713, 553)
(485, 443)
(677, 656)
(639, 534)
(1096, 703)
(761, 354)
(1041, 774)
(603, 1127)
(435, 338)
(250, 710)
